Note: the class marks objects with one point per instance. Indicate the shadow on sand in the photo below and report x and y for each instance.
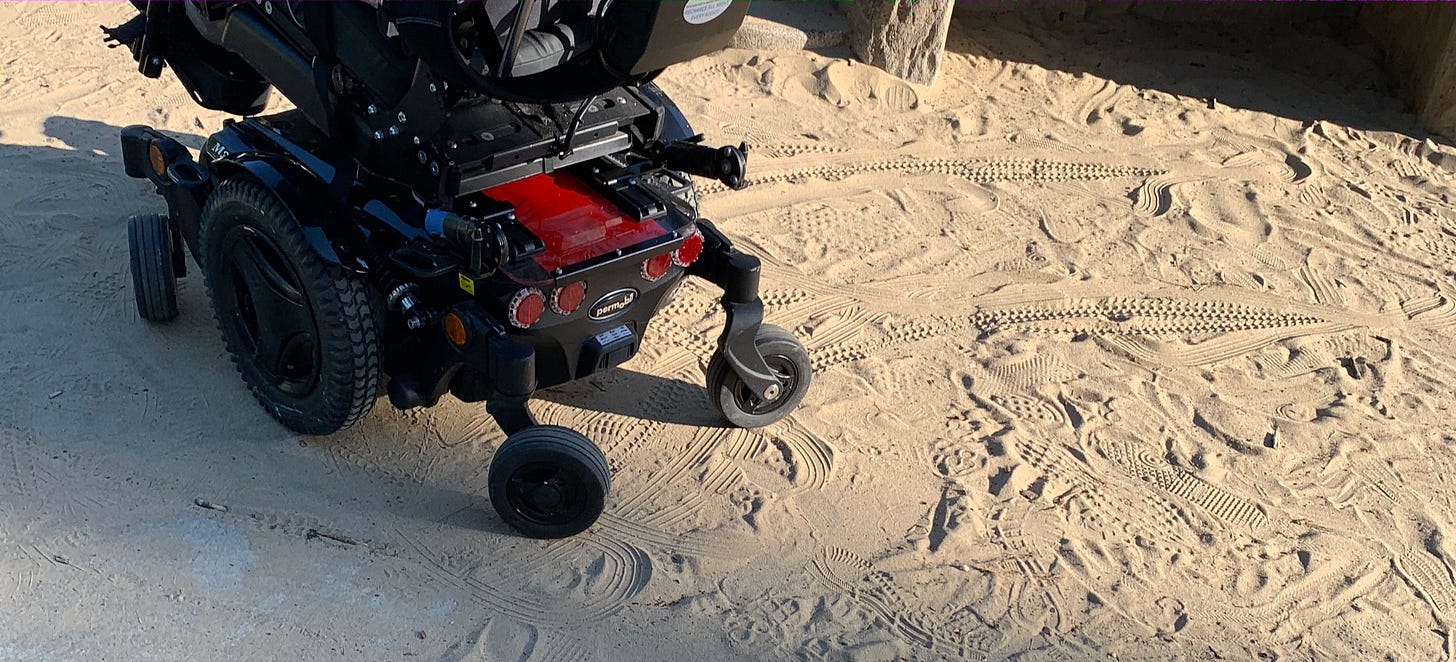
(1306, 62)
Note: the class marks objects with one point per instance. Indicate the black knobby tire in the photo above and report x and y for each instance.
(549, 482)
(788, 360)
(153, 278)
(303, 334)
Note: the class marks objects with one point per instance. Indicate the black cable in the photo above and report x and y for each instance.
(576, 119)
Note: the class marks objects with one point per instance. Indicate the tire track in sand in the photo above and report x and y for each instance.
(875, 592)
(973, 170)
(623, 572)
(1138, 316)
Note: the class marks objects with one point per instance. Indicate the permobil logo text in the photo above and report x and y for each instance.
(613, 304)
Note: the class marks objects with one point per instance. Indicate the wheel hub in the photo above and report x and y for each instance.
(775, 395)
(274, 316)
(544, 494)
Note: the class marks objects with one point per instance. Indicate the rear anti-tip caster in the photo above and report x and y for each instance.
(548, 482)
(153, 278)
(788, 361)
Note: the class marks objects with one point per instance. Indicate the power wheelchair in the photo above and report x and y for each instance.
(479, 198)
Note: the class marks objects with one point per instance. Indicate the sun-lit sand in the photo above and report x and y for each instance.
(1136, 343)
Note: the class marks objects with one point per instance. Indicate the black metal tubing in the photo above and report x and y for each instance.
(300, 181)
(499, 369)
(184, 184)
(674, 125)
(512, 372)
(737, 273)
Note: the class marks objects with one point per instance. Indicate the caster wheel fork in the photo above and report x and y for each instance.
(787, 361)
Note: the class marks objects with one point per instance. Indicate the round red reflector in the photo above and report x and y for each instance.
(567, 298)
(691, 249)
(526, 307)
(656, 266)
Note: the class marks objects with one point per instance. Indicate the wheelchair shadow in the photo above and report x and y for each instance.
(92, 378)
(627, 392)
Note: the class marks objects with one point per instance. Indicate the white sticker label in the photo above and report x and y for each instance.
(699, 12)
(613, 335)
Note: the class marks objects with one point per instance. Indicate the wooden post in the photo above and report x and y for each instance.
(903, 37)
(1420, 51)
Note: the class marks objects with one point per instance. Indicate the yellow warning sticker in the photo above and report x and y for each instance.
(467, 284)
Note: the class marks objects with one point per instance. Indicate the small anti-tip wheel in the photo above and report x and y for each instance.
(153, 280)
(786, 357)
(548, 482)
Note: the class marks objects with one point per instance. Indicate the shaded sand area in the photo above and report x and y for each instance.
(1135, 343)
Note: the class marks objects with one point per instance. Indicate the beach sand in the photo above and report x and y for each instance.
(1132, 340)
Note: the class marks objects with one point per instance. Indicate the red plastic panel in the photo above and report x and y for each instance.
(574, 221)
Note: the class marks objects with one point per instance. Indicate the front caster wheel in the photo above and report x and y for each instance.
(786, 357)
(548, 482)
(153, 280)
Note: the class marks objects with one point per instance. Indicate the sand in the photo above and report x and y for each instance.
(1132, 340)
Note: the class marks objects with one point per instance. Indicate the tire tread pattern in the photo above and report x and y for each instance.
(562, 444)
(349, 332)
(154, 282)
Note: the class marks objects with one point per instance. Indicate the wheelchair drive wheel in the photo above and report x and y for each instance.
(302, 334)
(153, 276)
(788, 361)
(548, 482)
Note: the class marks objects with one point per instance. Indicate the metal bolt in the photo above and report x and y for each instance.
(379, 135)
(433, 88)
(268, 8)
(394, 130)
(401, 117)
(434, 168)
(453, 145)
(772, 392)
(472, 204)
(372, 109)
(156, 60)
(415, 140)
(414, 323)
(421, 156)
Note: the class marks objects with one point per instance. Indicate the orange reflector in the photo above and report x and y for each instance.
(159, 162)
(455, 329)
